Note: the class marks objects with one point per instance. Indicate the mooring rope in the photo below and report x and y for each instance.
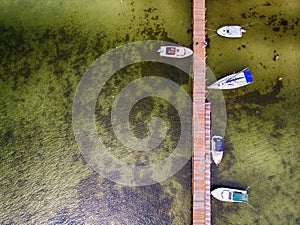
(212, 35)
(249, 24)
(210, 29)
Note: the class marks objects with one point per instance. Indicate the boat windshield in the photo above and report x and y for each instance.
(226, 195)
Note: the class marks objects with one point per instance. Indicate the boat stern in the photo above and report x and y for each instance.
(240, 196)
(248, 76)
(161, 49)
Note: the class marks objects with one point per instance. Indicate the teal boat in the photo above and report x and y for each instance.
(230, 195)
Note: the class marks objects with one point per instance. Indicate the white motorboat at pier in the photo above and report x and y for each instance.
(175, 51)
(232, 31)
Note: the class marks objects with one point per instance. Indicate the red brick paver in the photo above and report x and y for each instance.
(201, 122)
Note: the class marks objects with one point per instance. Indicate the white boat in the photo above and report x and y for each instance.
(230, 195)
(175, 51)
(231, 31)
(234, 80)
(217, 148)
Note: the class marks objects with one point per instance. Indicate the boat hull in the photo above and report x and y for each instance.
(234, 80)
(175, 52)
(226, 195)
(231, 31)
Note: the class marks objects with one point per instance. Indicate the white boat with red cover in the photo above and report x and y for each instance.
(175, 51)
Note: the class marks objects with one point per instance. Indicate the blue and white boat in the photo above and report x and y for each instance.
(230, 195)
(217, 147)
(234, 80)
(232, 31)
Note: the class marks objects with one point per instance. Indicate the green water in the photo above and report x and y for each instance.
(262, 135)
(45, 48)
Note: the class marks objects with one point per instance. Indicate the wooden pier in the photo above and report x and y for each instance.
(201, 121)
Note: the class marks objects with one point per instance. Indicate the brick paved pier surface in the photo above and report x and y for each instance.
(201, 122)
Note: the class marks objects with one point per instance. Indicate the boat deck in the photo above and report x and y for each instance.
(201, 121)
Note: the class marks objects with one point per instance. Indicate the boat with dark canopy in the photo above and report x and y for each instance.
(217, 149)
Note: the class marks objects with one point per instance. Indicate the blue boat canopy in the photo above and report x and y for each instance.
(248, 76)
(219, 145)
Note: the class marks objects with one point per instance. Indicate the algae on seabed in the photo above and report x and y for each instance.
(261, 143)
(45, 49)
